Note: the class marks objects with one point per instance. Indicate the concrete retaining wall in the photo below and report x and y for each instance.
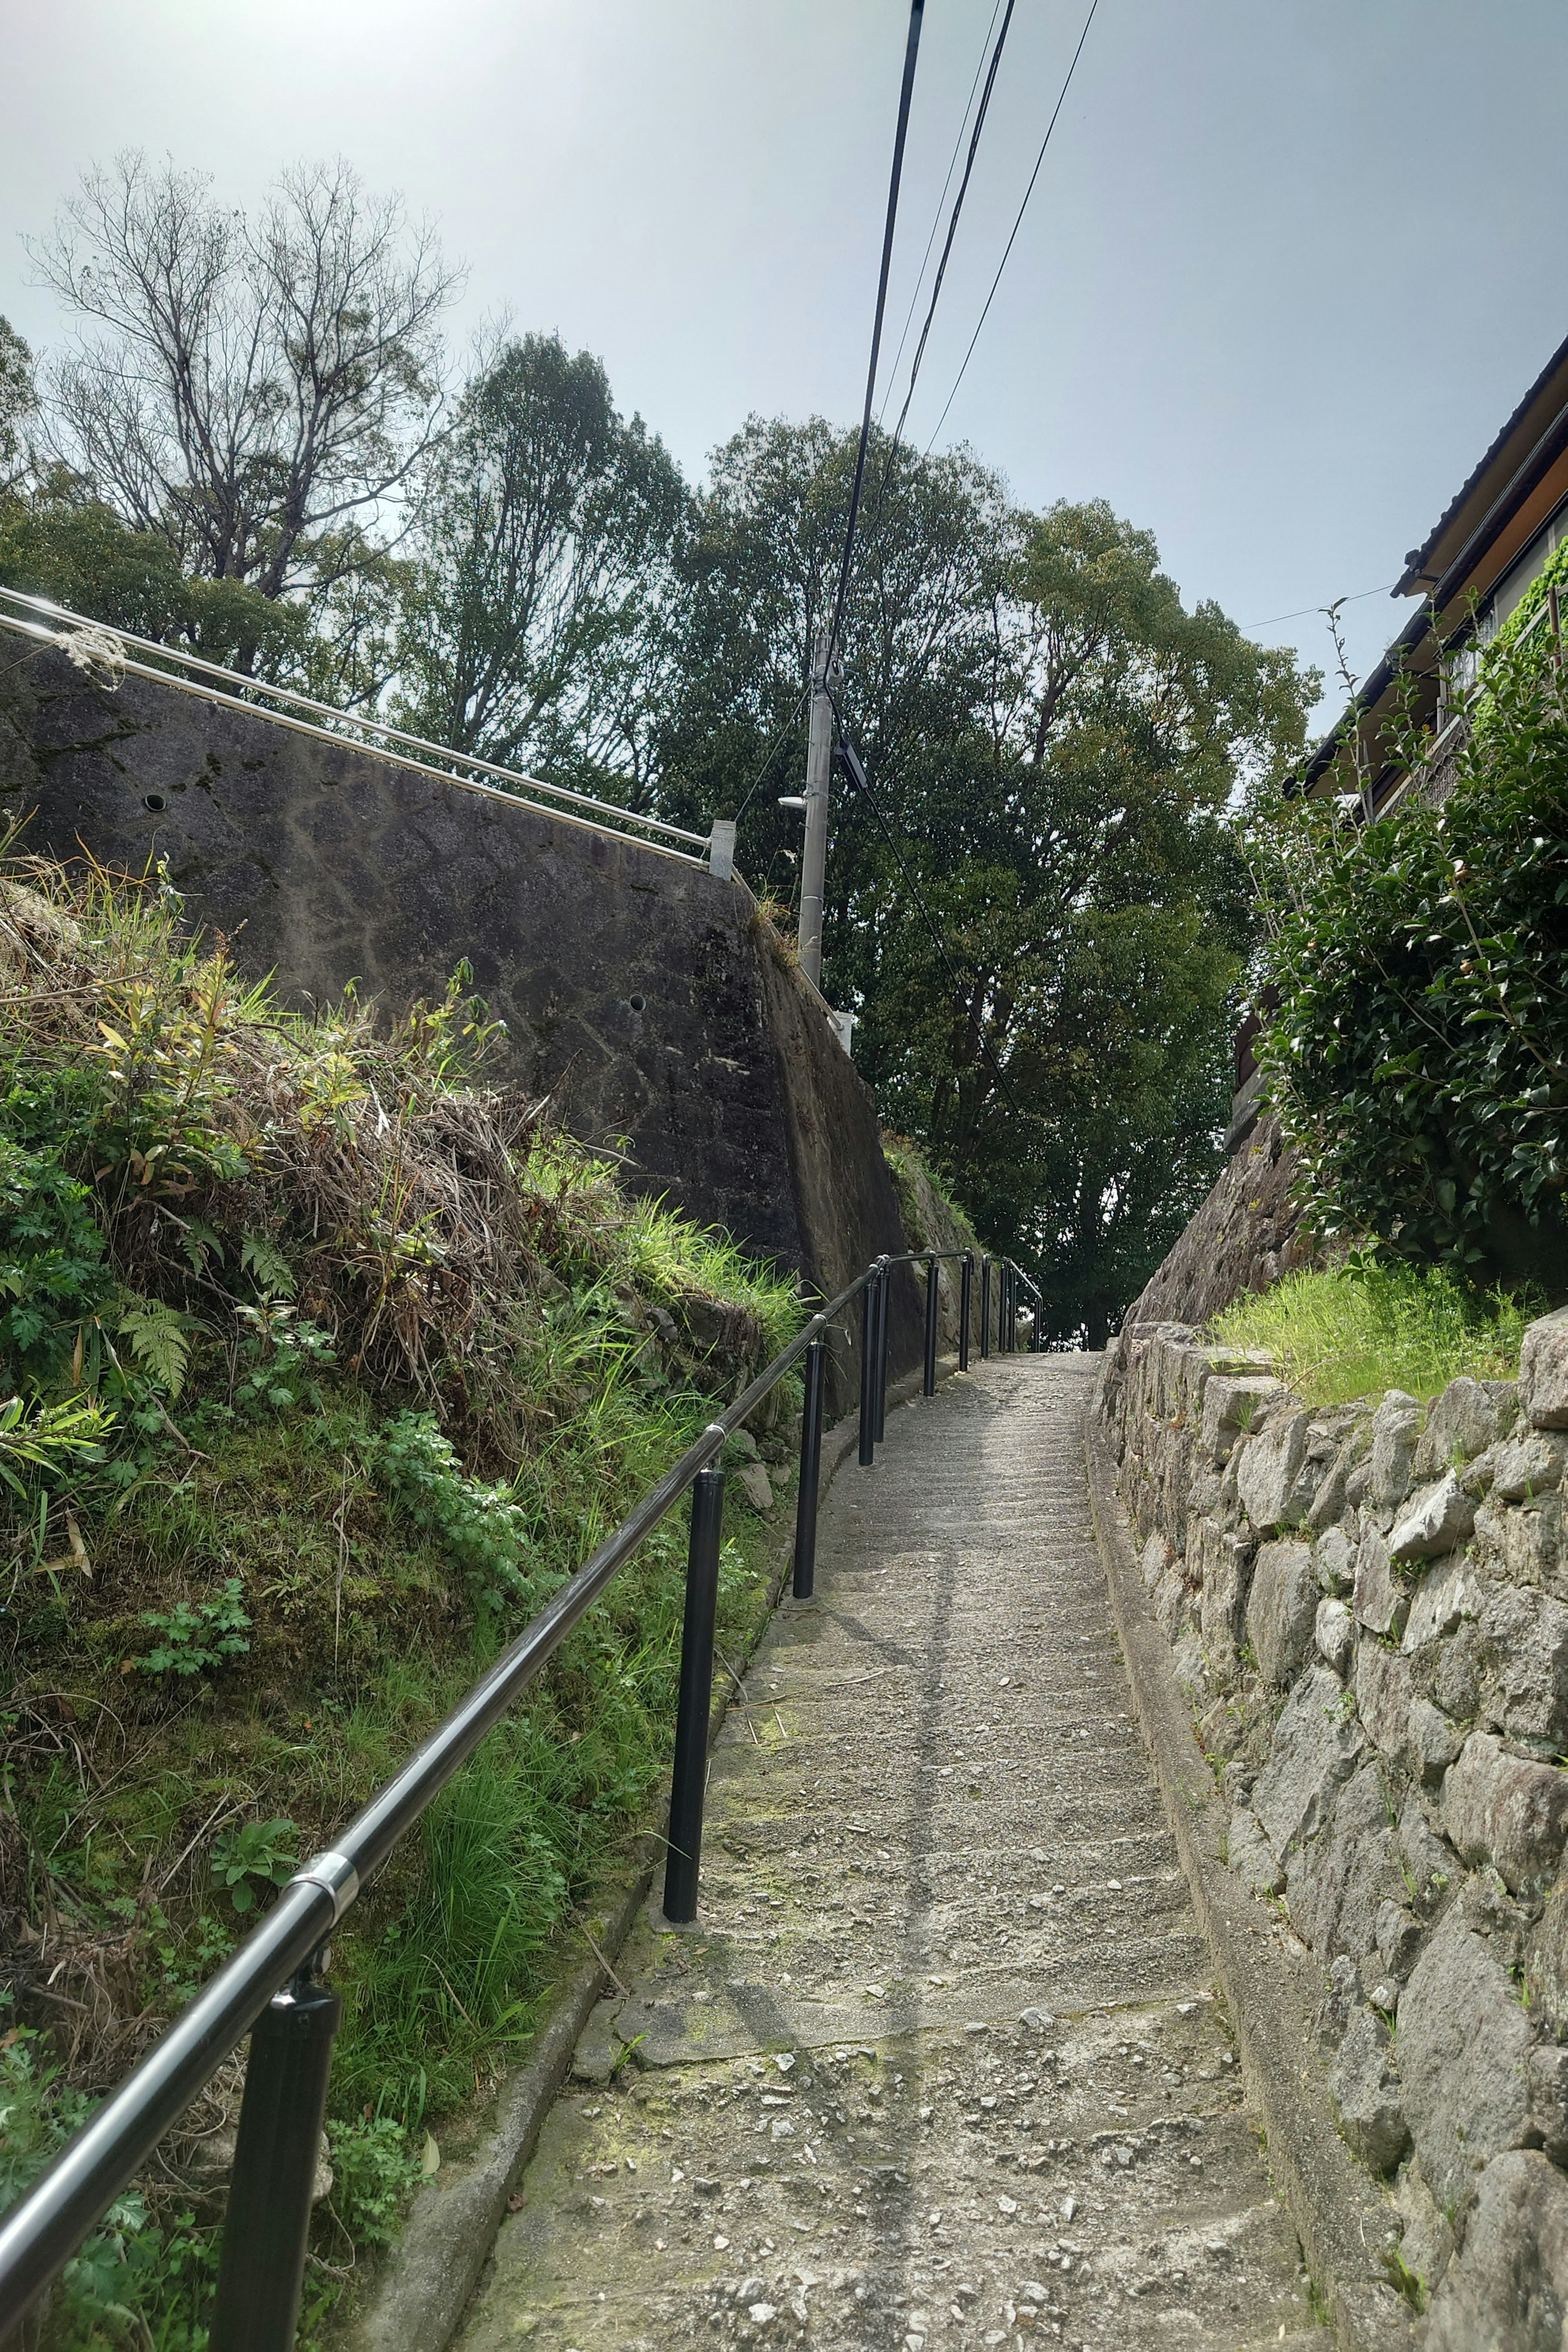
(1368, 1608)
(647, 995)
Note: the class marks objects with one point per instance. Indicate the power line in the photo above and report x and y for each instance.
(769, 755)
(1358, 598)
(861, 782)
(912, 50)
(936, 217)
(952, 223)
(1019, 223)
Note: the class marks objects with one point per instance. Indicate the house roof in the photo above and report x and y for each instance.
(1488, 485)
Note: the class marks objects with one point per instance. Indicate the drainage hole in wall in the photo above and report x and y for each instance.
(155, 801)
(637, 1003)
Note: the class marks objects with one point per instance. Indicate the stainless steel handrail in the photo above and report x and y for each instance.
(340, 721)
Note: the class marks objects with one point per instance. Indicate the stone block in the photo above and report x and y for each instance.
(1507, 2290)
(1316, 1744)
(1330, 1500)
(1333, 1554)
(1274, 1479)
(1460, 1423)
(1337, 1883)
(1281, 1610)
(1426, 2246)
(1224, 1574)
(752, 1480)
(1365, 2089)
(1382, 1698)
(1547, 2074)
(1463, 2043)
(1249, 1854)
(1543, 1371)
(1398, 1933)
(1380, 1604)
(1446, 1593)
(1153, 1560)
(1334, 1631)
(1232, 1404)
(1509, 1811)
(1524, 1685)
(1435, 1740)
(1428, 1865)
(1438, 1519)
(1396, 1432)
(1528, 1466)
(1546, 1964)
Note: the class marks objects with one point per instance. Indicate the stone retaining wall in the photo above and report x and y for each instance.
(1368, 1606)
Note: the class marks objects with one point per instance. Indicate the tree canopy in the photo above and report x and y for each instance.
(1036, 909)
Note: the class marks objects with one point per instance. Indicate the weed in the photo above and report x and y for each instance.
(197, 1638)
(256, 1851)
(1366, 1326)
(373, 2168)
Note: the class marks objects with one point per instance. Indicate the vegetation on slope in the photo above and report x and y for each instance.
(1367, 1326)
(325, 1365)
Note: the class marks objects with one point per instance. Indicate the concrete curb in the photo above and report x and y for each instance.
(418, 2301)
(1271, 1983)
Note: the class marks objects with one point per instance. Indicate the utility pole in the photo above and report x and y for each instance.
(818, 776)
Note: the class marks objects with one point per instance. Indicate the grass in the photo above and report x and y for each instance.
(1369, 1326)
(371, 1359)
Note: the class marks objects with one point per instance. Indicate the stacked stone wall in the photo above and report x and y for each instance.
(1368, 1608)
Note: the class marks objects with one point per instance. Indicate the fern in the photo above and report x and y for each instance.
(266, 1265)
(159, 1342)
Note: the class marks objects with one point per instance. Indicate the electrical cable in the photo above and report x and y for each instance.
(769, 755)
(936, 217)
(911, 51)
(1307, 610)
(1019, 223)
(862, 784)
(953, 227)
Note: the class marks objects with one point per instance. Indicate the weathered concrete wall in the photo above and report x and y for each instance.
(645, 993)
(1368, 1607)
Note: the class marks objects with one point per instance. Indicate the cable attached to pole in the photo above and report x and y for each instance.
(911, 51)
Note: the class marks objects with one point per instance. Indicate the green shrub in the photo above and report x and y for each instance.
(1367, 1326)
(1419, 1057)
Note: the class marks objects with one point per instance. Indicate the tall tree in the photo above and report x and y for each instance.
(18, 403)
(1038, 914)
(759, 569)
(253, 390)
(536, 615)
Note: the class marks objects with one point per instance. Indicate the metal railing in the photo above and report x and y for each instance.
(74, 632)
(272, 1986)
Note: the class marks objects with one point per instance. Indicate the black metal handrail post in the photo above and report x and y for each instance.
(965, 1290)
(933, 1303)
(689, 1780)
(267, 2228)
(884, 1319)
(986, 1306)
(810, 1472)
(868, 1374)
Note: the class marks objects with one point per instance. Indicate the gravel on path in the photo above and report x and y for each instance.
(942, 2065)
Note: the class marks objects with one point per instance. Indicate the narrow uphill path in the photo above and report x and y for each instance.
(940, 2066)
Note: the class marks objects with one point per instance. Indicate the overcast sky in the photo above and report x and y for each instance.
(1288, 265)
